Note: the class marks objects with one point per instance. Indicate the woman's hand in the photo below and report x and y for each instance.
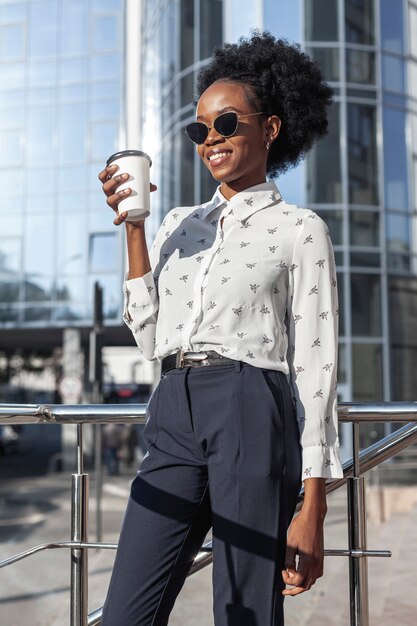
(110, 185)
(306, 539)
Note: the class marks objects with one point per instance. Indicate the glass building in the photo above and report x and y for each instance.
(64, 102)
(61, 115)
(360, 179)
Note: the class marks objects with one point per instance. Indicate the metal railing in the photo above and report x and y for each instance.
(353, 469)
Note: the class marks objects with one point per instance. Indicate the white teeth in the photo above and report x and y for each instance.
(218, 155)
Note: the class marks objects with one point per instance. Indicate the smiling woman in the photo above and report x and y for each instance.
(237, 300)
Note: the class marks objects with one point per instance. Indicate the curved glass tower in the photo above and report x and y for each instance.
(360, 179)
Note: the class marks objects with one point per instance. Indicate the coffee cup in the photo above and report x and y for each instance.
(135, 163)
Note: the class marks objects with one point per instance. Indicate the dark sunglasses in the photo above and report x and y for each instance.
(226, 125)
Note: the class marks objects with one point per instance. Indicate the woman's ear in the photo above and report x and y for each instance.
(272, 128)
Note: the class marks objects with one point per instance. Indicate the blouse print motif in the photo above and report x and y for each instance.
(262, 289)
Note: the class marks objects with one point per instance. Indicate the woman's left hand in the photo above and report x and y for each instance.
(305, 539)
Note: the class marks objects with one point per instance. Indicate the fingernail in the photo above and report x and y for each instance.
(124, 176)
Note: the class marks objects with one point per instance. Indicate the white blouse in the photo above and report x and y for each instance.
(261, 289)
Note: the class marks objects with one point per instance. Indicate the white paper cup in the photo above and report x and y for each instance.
(136, 164)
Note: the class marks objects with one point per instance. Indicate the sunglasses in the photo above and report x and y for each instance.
(226, 125)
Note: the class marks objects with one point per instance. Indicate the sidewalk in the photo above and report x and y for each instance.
(36, 591)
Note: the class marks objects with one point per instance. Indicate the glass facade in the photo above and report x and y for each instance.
(361, 178)
(60, 116)
(178, 39)
(62, 113)
(368, 53)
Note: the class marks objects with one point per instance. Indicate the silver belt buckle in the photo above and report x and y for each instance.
(189, 356)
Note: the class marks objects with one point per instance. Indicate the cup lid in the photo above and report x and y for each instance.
(126, 153)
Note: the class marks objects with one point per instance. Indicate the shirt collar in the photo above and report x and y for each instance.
(246, 202)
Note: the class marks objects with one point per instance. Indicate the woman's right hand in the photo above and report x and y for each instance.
(114, 197)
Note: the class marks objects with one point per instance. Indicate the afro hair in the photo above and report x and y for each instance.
(282, 81)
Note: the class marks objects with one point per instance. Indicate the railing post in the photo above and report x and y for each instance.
(358, 566)
(79, 532)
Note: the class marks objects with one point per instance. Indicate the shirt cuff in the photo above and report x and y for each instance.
(321, 462)
(140, 295)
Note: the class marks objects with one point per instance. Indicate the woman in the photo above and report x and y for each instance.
(238, 300)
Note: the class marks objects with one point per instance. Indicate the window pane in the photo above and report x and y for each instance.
(399, 262)
(70, 313)
(328, 59)
(187, 170)
(104, 110)
(9, 292)
(403, 337)
(12, 98)
(393, 73)
(364, 228)
(40, 142)
(72, 133)
(366, 305)
(39, 235)
(41, 96)
(10, 118)
(12, 41)
(37, 314)
(341, 364)
(73, 92)
(74, 27)
(107, 5)
(317, 28)
(187, 89)
(104, 90)
(362, 155)
(10, 255)
(11, 222)
(323, 164)
(103, 252)
(412, 18)
(367, 372)
(334, 221)
(392, 26)
(11, 148)
(105, 32)
(72, 178)
(211, 22)
(341, 300)
(187, 32)
(12, 75)
(38, 288)
(42, 73)
(13, 12)
(105, 67)
(398, 228)
(43, 32)
(360, 66)
(395, 159)
(111, 294)
(73, 70)
(365, 259)
(104, 140)
(71, 244)
(360, 21)
(71, 288)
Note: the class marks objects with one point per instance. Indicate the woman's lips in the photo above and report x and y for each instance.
(219, 160)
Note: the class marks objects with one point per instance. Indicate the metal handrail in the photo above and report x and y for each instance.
(353, 470)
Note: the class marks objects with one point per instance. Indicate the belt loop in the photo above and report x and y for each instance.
(238, 366)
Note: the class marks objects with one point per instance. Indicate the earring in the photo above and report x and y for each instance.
(267, 145)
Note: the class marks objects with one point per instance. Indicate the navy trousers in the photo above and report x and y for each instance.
(223, 452)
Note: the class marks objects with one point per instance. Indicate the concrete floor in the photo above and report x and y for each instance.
(36, 591)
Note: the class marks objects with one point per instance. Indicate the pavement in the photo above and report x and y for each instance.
(35, 508)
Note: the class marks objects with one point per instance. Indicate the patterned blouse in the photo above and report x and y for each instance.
(261, 289)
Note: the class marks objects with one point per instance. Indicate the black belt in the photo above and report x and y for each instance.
(183, 358)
